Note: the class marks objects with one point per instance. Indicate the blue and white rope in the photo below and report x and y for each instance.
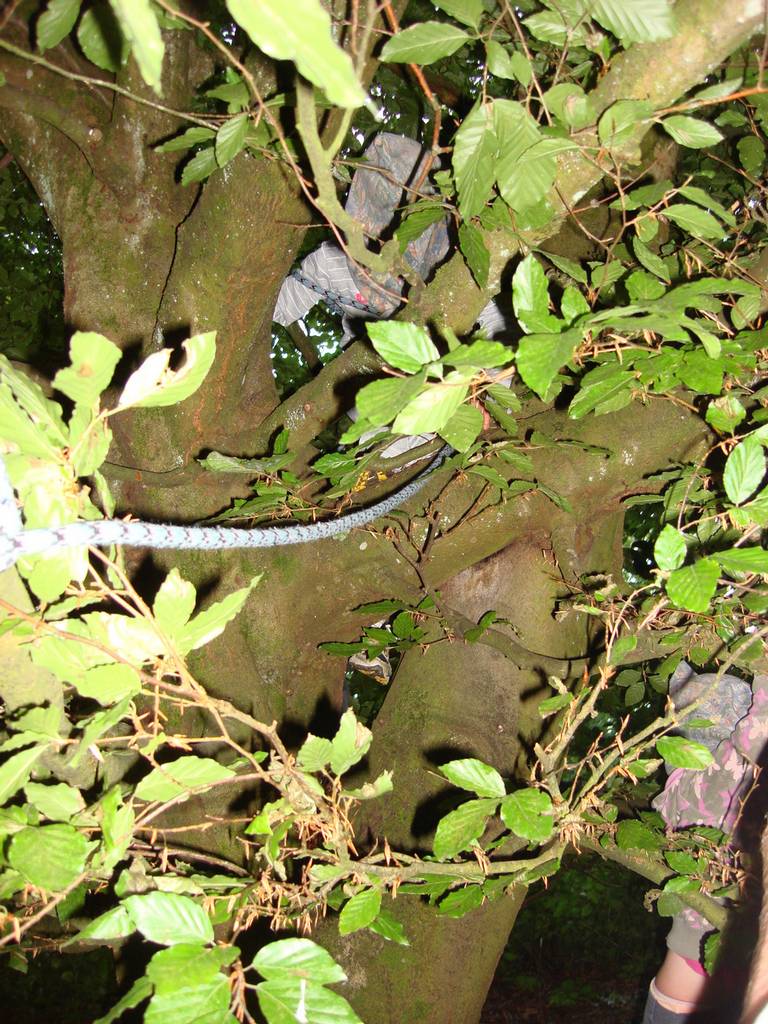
(17, 542)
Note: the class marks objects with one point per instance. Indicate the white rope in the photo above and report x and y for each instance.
(17, 542)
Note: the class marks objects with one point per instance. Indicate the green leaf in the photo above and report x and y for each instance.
(108, 684)
(679, 752)
(433, 408)
(475, 253)
(553, 704)
(57, 21)
(481, 355)
(604, 389)
(696, 221)
(556, 27)
(568, 266)
(16, 770)
(461, 901)
(97, 725)
(530, 297)
(468, 12)
(174, 602)
(200, 167)
(405, 346)
(744, 470)
(57, 801)
(293, 1000)
(682, 863)
(711, 952)
(541, 356)
(350, 744)
(650, 260)
(301, 32)
(669, 549)
(526, 182)
(720, 89)
(298, 958)
(416, 223)
(635, 835)
(691, 132)
(725, 414)
(137, 993)
(573, 304)
(463, 428)
(212, 621)
(117, 822)
(139, 24)
(380, 401)
(621, 648)
(751, 155)
(701, 373)
(372, 790)
(743, 560)
(635, 21)
(208, 1002)
(114, 924)
(693, 586)
(230, 138)
(184, 775)
(491, 475)
(50, 856)
(500, 61)
(528, 813)
(424, 43)
(315, 753)
(643, 287)
(169, 919)
(569, 103)
(154, 385)
(623, 122)
(188, 965)
(460, 828)
(191, 137)
(475, 147)
(93, 359)
(101, 38)
(360, 911)
(234, 92)
(388, 927)
(474, 775)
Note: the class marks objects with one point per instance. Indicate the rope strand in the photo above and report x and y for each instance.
(16, 542)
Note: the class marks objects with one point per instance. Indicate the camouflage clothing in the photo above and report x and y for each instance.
(713, 796)
(375, 195)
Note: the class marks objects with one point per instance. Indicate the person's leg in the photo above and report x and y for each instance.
(675, 992)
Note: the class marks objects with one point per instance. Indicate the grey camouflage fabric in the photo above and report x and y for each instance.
(714, 796)
(377, 192)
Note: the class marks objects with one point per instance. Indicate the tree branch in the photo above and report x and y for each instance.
(658, 872)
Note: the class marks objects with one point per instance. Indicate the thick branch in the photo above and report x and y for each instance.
(658, 872)
(317, 403)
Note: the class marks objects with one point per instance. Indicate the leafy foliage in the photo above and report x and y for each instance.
(665, 307)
